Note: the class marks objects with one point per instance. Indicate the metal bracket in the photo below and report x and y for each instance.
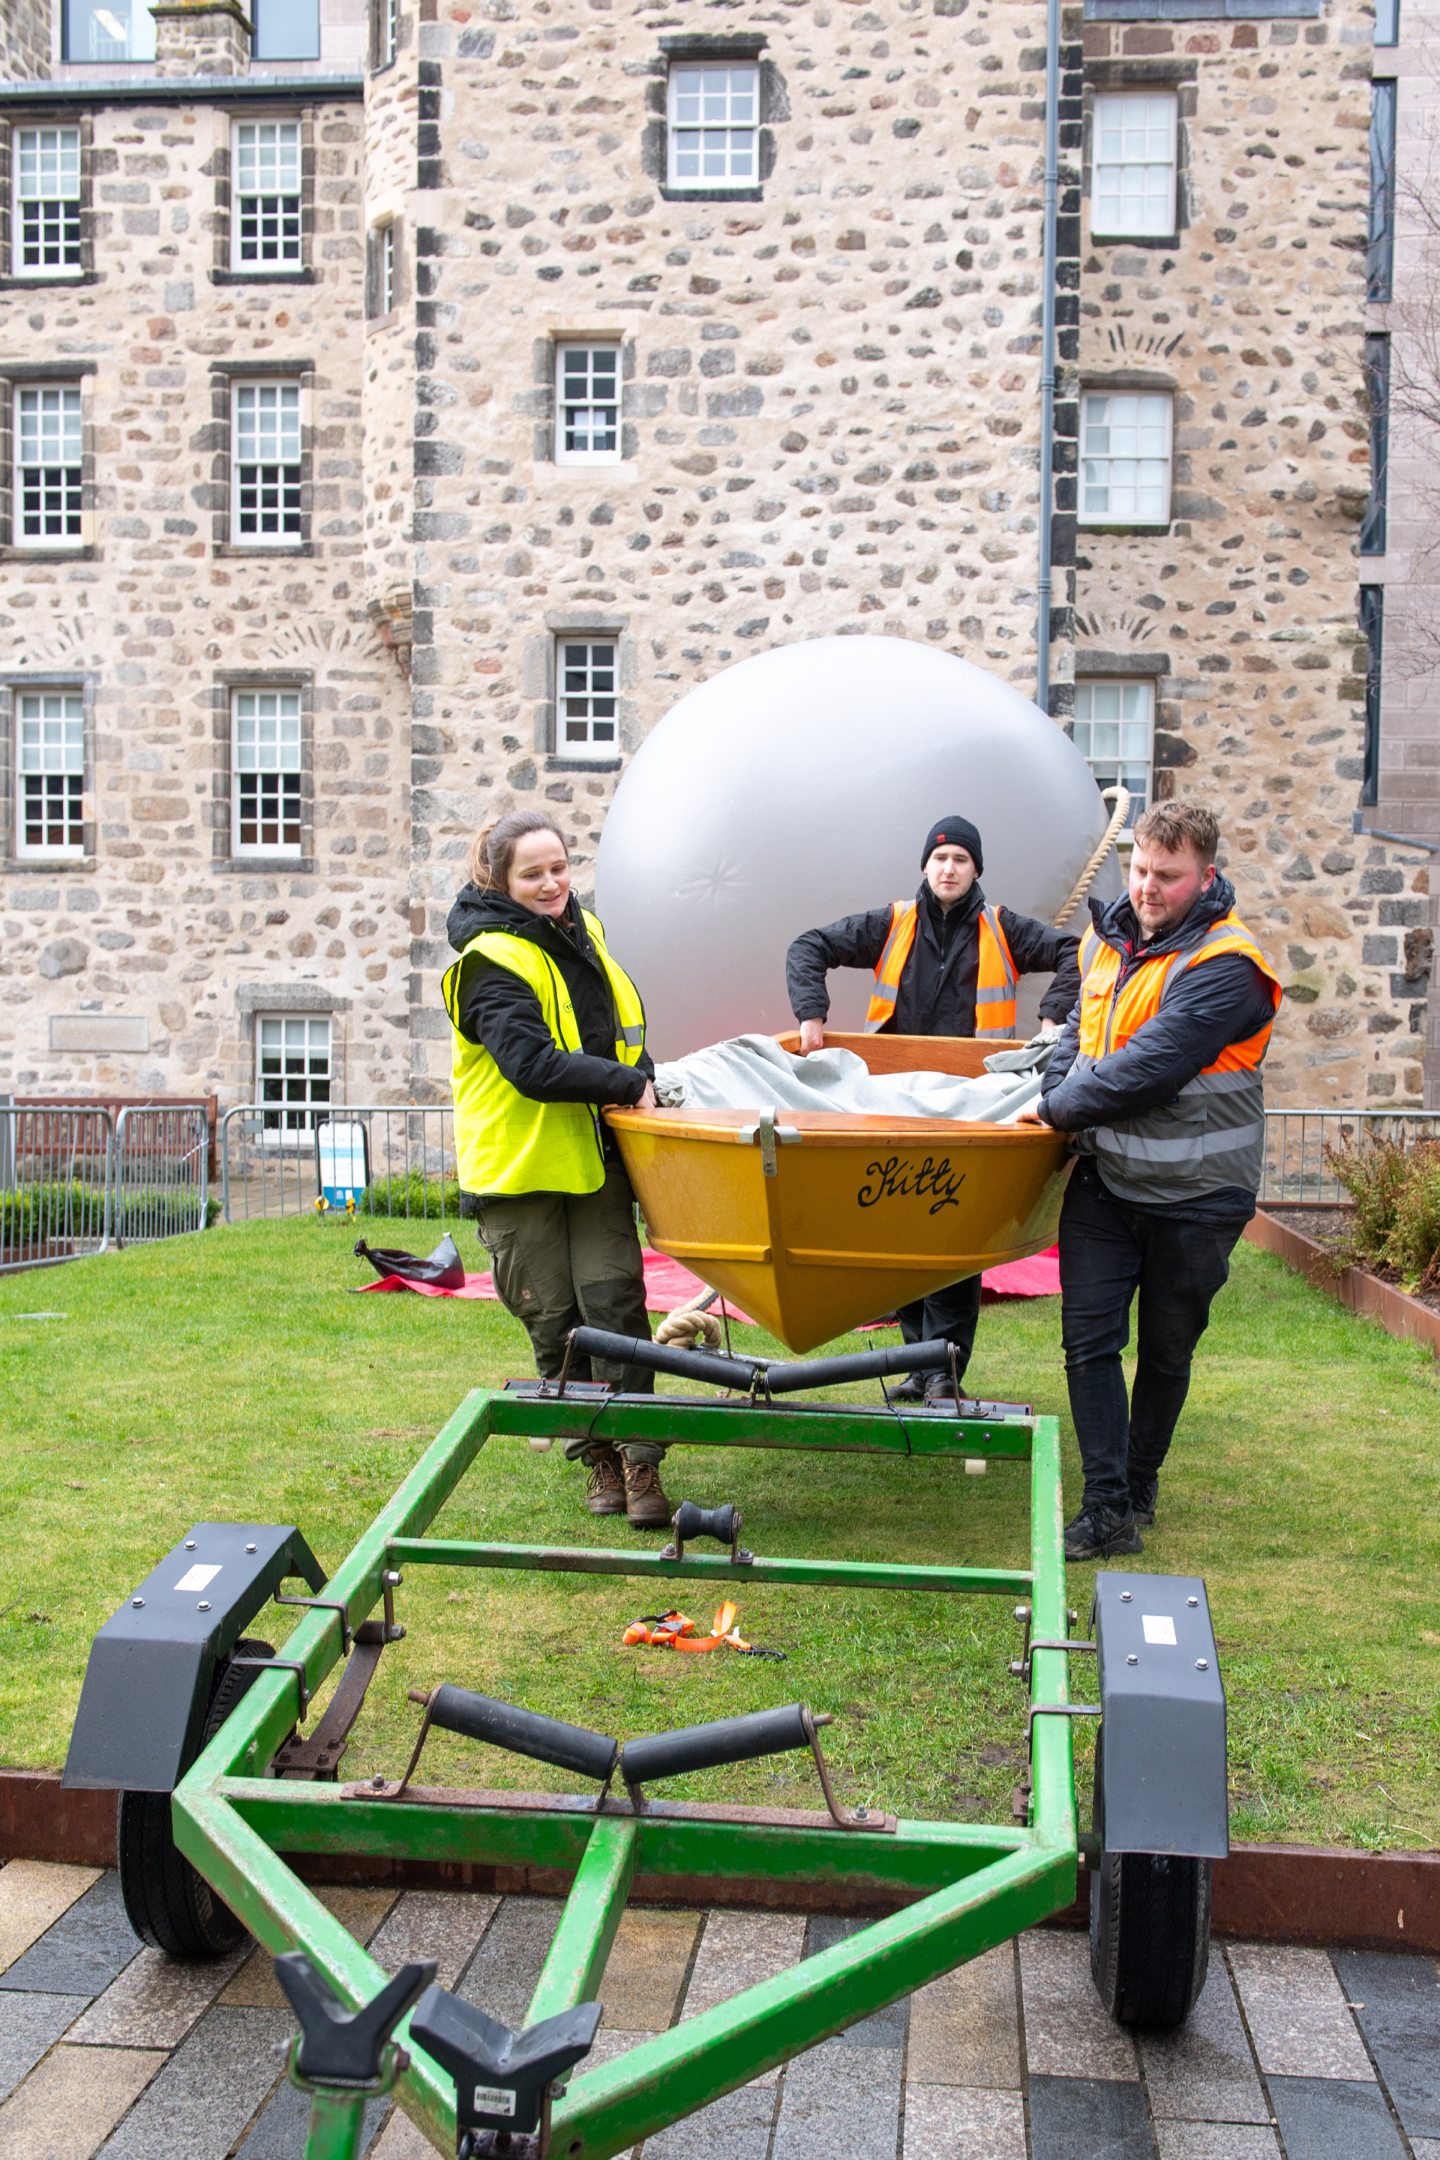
(1061, 1709)
(319, 1755)
(324, 1604)
(858, 1818)
(768, 1133)
(282, 1664)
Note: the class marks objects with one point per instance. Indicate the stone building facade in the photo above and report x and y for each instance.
(824, 372)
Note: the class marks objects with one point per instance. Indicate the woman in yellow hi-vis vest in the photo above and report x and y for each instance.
(946, 963)
(546, 1029)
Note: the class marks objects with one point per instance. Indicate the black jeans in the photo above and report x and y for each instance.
(1109, 1249)
(948, 1315)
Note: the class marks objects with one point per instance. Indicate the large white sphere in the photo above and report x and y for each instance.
(800, 785)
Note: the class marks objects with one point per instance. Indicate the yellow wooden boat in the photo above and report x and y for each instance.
(814, 1221)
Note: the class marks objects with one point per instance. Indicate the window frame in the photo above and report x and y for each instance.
(1377, 390)
(21, 541)
(238, 381)
(1121, 231)
(64, 273)
(567, 345)
(1145, 686)
(141, 19)
(588, 750)
(1127, 520)
(384, 34)
(253, 851)
(285, 266)
(257, 15)
(19, 850)
(289, 1121)
(703, 184)
(1371, 612)
(1380, 232)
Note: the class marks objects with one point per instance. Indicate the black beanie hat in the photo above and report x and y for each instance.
(955, 832)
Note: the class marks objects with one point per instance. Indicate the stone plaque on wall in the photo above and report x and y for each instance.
(99, 1031)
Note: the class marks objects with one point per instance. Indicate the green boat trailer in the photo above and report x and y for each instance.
(198, 1724)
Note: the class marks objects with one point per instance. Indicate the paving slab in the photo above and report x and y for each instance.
(255, 1987)
(33, 1894)
(1206, 2072)
(282, 2126)
(1325, 2118)
(1425, 2148)
(645, 1973)
(957, 2122)
(738, 2126)
(1297, 2014)
(156, 2000)
(840, 2101)
(400, 2140)
(84, 1950)
(442, 1924)
(1078, 2118)
(1216, 2141)
(964, 2028)
(1067, 2033)
(1396, 2003)
(501, 1977)
(737, 1951)
(69, 2106)
(199, 2105)
(29, 2025)
(883, 2028)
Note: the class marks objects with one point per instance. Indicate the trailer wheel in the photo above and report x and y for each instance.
(167, 1901)
(1149, 1931)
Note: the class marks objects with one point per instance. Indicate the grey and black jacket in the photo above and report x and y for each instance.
(1162, 1128)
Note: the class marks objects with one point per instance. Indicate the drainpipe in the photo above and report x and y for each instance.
(1047, 349)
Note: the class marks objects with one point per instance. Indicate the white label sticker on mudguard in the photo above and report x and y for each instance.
(1158, 1626)
(197, 1578)
(495, 2099)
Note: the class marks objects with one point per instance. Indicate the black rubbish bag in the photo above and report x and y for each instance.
(444, 1268)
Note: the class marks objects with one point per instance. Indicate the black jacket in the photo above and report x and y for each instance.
(503, 1016)
(1226, 1001)
(937, 988)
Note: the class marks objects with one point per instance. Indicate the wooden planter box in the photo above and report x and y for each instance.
(1402, 1316)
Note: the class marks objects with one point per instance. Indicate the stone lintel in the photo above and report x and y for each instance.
(1088, 661)
(293, 997)
(111, 1033)
(1125, 378)
(714, 45)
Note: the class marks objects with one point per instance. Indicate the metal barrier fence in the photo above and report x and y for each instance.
(162, 1181)
(1297, 1145)
(56, 1184)
(272, 1164)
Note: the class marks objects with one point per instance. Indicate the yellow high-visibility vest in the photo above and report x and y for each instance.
(506, 1142)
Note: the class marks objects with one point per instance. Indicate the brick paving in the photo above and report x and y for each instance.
(109, 2052)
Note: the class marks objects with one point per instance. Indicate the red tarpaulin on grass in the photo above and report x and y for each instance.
(668, 1285)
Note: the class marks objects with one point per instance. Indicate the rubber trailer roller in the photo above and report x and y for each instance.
(524, 1732)
(748, 1373)
(692, 1521)
(727, 1740)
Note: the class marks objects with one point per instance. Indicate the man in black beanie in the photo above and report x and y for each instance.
(945, 963)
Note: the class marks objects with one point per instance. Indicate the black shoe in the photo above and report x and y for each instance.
(1099, 1531)
(910, 1389)
(940, 1388)
(1142, 1500)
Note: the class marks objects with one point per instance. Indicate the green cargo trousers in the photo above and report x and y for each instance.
(560, 1259)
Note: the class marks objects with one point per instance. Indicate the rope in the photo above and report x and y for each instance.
(690, 1327)
(1120, 796)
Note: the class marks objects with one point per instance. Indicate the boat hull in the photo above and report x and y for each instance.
(838, 1219)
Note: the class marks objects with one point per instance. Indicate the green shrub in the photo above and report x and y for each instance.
(70, 1208)
(1395, 1227)
(411, 1194)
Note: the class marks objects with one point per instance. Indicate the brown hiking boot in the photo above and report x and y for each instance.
(605, 1488)
(645, 1503)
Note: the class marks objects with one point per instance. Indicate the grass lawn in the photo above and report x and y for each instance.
(231, 1376)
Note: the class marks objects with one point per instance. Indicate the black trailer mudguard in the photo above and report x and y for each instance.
(152, 1667)
(1163, 1787)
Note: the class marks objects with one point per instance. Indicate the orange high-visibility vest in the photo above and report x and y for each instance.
(994, 984)
(1213, 1134)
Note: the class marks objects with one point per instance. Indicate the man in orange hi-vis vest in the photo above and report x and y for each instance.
(945, 963)
(1158, 1076)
